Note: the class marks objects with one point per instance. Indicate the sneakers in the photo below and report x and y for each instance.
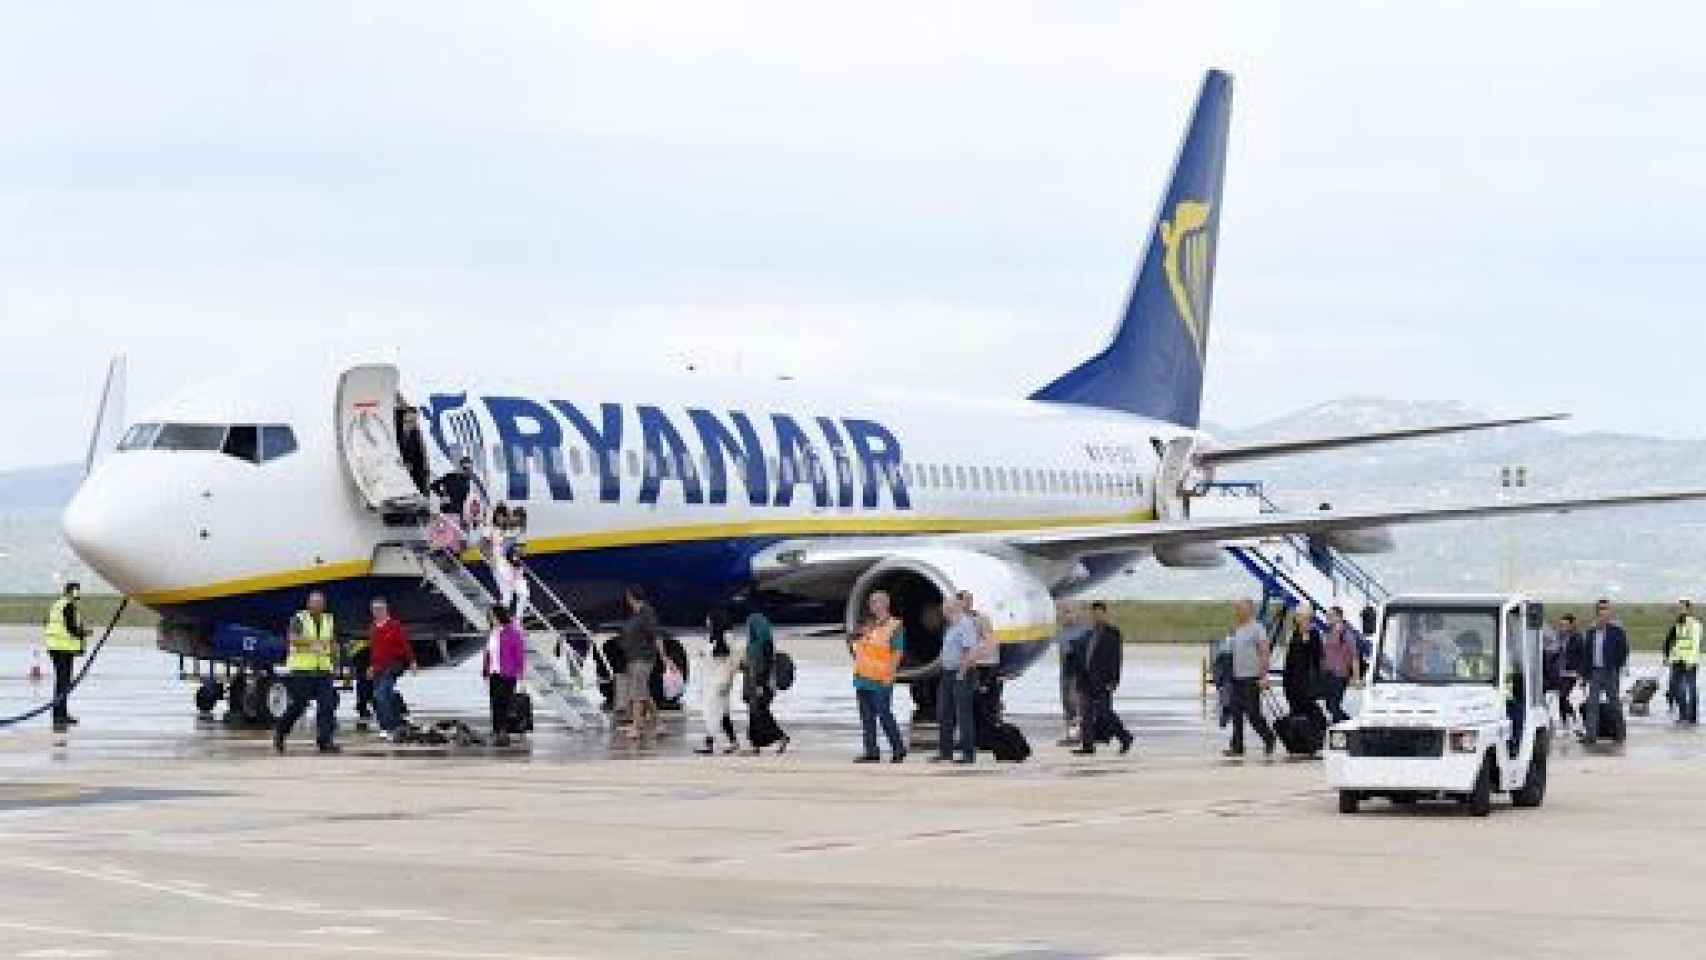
(867, 759)
(330, 748)
(1268, 749)
(897, 758)
(1125, 744)
(1232, 752)
(278, 742)
(1084, 752)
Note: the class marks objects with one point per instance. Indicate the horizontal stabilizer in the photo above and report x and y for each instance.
(1219, 456)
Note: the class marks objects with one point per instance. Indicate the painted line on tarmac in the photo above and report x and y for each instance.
(294, 946)
(243, 899)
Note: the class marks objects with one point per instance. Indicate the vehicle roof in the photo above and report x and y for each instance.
(1454, 599)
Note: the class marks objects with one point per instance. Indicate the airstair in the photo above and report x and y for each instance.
(1293, 568)
(559, 676)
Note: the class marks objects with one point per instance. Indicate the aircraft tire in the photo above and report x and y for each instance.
(1349, 800)
(208, 695)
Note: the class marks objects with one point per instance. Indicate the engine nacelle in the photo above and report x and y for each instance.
(1365, 540)
(1017, 602)
(1192, 556)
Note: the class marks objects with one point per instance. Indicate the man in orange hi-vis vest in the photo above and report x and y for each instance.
(877, 646)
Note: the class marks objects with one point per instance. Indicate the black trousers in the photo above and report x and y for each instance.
(303, 687)
(62, 663)
(1099, 721)
(1247, 703)
(502, 691)
(360, 661)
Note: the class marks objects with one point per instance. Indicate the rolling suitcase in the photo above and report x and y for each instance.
(1611, 721)
(1301, 735)
(1641, 695)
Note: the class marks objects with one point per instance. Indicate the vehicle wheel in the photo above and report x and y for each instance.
(1403, 799)
(1348, 801)
(1480, 799)
(208, 695)
(1532, 793)
(277, 698)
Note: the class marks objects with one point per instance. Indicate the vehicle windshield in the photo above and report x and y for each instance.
(1438, 646)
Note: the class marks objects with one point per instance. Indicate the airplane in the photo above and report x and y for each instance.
(221, 508)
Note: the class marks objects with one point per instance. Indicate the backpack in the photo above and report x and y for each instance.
(783, 671)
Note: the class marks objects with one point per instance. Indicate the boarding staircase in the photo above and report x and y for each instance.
(1292, 568)
(559, 676)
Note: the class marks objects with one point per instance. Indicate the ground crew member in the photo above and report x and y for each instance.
(1684, 665)
(877, 648)
(63, 635)
(309, 662)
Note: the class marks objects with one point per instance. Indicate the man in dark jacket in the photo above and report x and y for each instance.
(1570, 674)
(411, 444)
(1605, 652)
(1098, 678)
(454, 486)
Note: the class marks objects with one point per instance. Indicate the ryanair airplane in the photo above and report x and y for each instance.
(223, 507)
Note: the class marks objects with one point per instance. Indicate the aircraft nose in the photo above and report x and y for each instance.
(105, 531)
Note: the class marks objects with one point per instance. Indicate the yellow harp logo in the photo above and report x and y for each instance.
(1185, 257)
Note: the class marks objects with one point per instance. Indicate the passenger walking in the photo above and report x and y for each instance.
(723, 663)
(411, 444)
(511, 578)
(63, 635)
(877, 647)
(1070, 639)
(640, 652)
(1098, 678)
(955, 686)
(1302, 670)
(453, 488)
(1684, 660)
(506, 657)
(1605, 652)
(310, 636)
(1341, 661)
(759, 688)
(1570, 671)
(391, 655)
(1250, 653)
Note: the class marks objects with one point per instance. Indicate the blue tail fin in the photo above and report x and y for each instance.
(1154, 364)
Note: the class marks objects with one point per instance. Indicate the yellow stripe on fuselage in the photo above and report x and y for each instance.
(648, 536)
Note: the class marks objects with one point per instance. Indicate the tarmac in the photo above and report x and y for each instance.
(147, 833)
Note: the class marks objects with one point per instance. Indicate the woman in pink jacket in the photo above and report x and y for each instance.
(506, 654)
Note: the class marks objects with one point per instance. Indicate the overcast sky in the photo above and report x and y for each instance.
(1495, 203)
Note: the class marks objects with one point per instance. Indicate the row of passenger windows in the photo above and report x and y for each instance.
(921, 476)
(255, 443)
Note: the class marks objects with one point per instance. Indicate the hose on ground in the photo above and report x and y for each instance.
(76, 680)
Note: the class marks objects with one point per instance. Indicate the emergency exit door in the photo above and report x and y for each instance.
(368, 441)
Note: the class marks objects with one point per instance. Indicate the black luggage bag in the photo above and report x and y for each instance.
(1300, 734)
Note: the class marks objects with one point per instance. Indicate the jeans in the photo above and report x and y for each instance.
(953, 712)
(1099, 719)
(1336, 697)
(385, 697)
(316, 686)
(1247, 703)
(1603, 684)
(1683, 680)
(878, 706)
(62, 661)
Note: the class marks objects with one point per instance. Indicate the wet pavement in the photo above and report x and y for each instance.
(147, 833)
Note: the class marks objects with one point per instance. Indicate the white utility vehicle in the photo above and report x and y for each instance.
(1454, 707)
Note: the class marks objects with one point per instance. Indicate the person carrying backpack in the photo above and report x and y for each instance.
(762, 730)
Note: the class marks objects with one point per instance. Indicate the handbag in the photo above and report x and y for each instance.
(674, 684)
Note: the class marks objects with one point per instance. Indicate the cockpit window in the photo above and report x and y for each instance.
(243, 441)
(140, 436)
(251, 443)
(190, 436)
(276, 441)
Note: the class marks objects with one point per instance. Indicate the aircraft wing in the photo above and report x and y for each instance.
(1066, 542)
(1219, 456)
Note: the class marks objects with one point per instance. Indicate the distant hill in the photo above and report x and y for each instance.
(1639, 554)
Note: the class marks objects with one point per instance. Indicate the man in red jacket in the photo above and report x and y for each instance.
(392, 654)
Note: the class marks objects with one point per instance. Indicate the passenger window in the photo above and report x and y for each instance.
(633, 463)
(190, 436)
(959, 477)
(243, 442)
(575, 460)
(988, 479)
(976, 481)
(935, 476)
(277, 441)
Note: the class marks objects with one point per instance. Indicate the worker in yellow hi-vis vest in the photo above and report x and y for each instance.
(63, 635)
(310, 637)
